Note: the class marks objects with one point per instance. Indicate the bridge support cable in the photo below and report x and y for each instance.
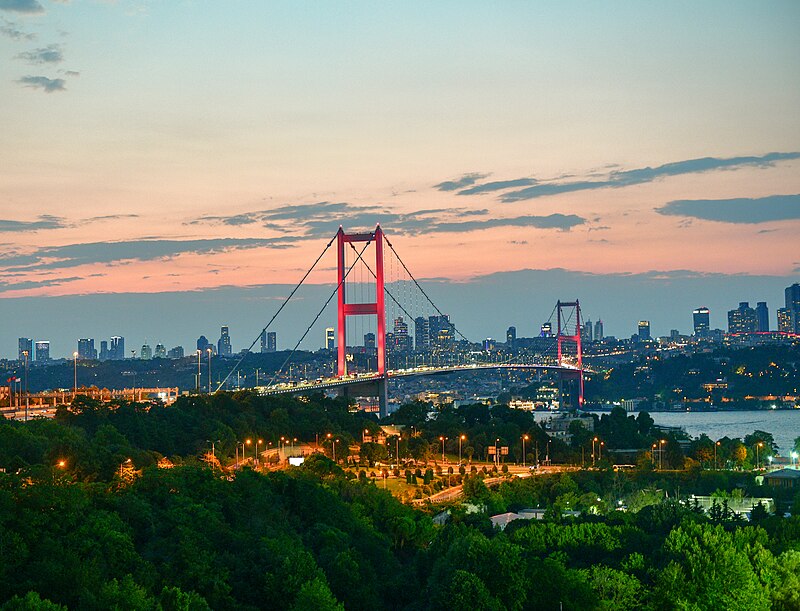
(274, 316)
(417, 284)
(316, 318)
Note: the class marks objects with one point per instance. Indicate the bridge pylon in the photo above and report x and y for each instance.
(562, 336)
(376, 308)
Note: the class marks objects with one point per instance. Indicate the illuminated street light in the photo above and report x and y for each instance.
(461, 439)
(524, 439)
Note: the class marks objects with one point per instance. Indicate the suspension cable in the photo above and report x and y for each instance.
(417, 284)
(274, 316)
(316, 318)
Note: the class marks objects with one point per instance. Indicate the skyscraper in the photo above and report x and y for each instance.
(330, 338)
(742, 319)
(369, 341)
(792, 295)
(160, 351)
(104, 350)
(42, 350)
(598, 330)
(762, 316)
(442, 331)
(784, 320)
(116, 351)
(422, 334)
(586, 332)
(147, 352)
(86, 351)
(546, 330)
(272, 341)
(25, 344)
(511, 338)
(644, 330)
(203, 343)
(701, 317)
(224, 342)
(402, 340)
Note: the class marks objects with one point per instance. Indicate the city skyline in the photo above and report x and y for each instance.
(216, 151)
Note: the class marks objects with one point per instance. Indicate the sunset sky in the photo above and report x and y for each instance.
(156, 147)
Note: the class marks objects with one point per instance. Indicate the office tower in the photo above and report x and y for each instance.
(442, 331)
(674, 334)
(42, 350)
(598, 330)
(402, 340)
(330, 338)
(25, 345)
(116, 351)
(224, 342)
(86, 351)
(202, 343)
(742, 319)
(762, 317)
(511, 338)
(104, 356)
(784, 320)
(701, 317)
(422, 334)
(488, 344)
(546, 330)
(147, 352)
(369, 341)
(272, 341)
(175, 353)
(644, 330)
(586, 332)
(160, 351)
(792, 294)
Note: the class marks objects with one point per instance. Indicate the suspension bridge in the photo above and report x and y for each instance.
(367, 295)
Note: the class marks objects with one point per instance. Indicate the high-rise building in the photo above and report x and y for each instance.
(598, 330)
(784, 320)
(224, 342)
(402, 340)
(42, 350)
(792, 295)
(25, 346)
(762, 316)
(147, 352)
(175, 353)
(546, 330)
(511, 338)
(742, 319)
(701, 317)
(203, 344)
(488, 344)
(104, 350)
(116, 351)
(442, 331)
(330, 338)
(644, 330)
(422, 334)
(86, 351)
(369, 341)
(586, 332)
(160, 351)
(272, 341)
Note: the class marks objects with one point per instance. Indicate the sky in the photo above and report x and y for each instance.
(165, 164)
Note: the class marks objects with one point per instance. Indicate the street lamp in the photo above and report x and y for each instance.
(715, 455)
(661, 453)
(594, 441)
(442, 439)
(258, 441)
(333, 446)
(524, 439)
(27, 396)
(197, 379)
(75, 375)
(461, 439)
(497, 452)
(248, 441)
(760, 444)
(208, 350)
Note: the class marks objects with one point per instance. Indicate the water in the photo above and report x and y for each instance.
(783, 424)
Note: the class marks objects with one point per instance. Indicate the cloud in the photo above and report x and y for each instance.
(498, 185)
(739, 210)
(10, 30)
(110, 217)
(48, 85)
(626, 178)
(563, 222)
(73, 255)
(465, 181)
(21, 6)
(35, 284)
(45, 222)
(50, 54)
